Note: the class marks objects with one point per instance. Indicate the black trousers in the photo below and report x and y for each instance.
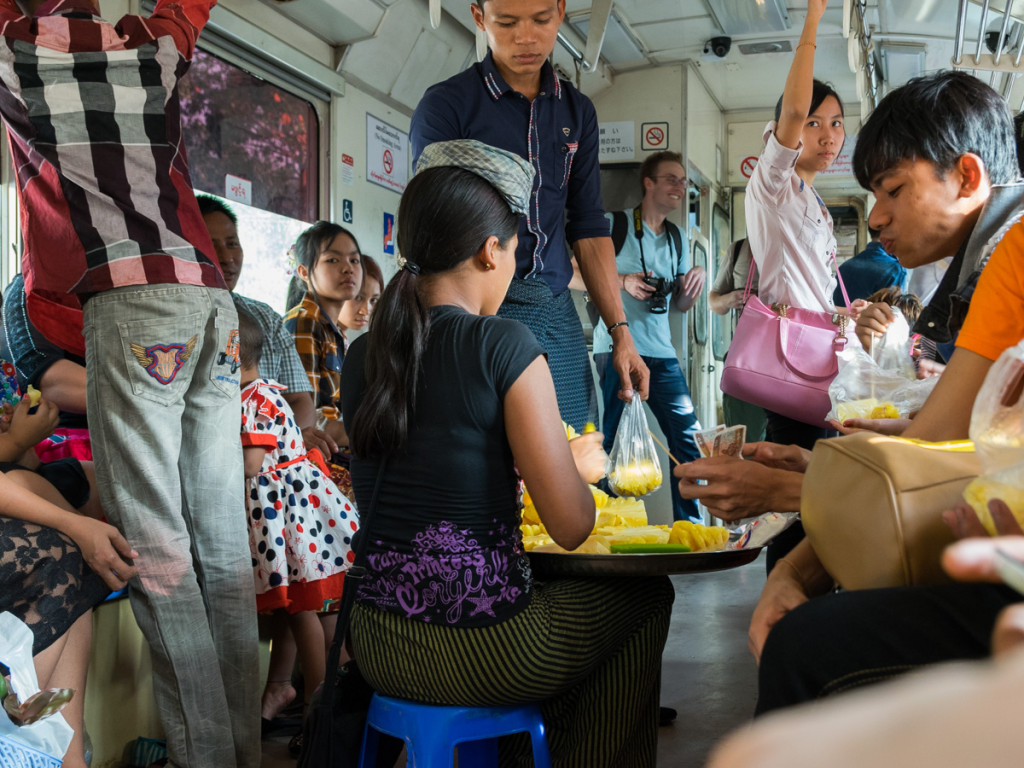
(848, 639)
(787, 431)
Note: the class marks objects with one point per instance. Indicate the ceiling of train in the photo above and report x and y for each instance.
(906, 37)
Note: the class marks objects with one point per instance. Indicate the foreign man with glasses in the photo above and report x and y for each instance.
(652, 256)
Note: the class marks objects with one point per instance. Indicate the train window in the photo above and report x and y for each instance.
(721, 238)
(248, 138)
(266, 239)
(700, 309)
(257, 145)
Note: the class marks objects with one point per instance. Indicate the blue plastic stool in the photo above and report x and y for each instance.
(431, 733)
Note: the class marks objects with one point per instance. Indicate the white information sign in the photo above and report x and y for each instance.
(843, 164)
(387, 155)
(618, 141)
(348, 167)
(237, 189)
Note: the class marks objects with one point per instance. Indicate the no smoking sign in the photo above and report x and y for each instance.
(653, 136)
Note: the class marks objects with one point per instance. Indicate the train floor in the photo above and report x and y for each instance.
(708, 675)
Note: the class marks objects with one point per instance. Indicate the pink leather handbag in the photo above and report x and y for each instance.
(783, 358)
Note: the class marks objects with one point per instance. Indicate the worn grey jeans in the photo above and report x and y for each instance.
(164, 415)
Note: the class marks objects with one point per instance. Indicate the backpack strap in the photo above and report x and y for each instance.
(676, 238)
(620, 226)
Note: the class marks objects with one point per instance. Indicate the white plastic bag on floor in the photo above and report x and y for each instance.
(43, 743)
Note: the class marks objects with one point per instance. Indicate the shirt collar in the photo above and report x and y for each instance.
(497, 87)
(312, 308)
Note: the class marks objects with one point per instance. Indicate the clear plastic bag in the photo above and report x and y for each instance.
(43, 743)
(635, 465)
(997, 419)
(881, 384)
(997, 429)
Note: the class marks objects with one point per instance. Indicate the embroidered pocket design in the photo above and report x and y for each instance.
(230, 354)
(163, 361)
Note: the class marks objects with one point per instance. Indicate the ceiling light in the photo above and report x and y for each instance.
(621, 47)
(900, 62)
(775, 46)
(744, 17)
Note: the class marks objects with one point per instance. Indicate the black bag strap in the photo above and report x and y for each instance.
(620, 227)
(676, 238)
(353, 578)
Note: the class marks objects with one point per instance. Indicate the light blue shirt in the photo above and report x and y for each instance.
(651, 333)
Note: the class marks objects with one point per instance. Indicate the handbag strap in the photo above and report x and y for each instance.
(750, 276)
(353, 577)
(839, 277)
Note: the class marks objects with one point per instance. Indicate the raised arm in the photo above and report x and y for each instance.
(183, 20)
(796, 98)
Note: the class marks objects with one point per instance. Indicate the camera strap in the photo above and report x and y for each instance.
(638, 227)
(671, 232)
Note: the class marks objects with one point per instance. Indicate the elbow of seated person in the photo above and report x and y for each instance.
(569, 534)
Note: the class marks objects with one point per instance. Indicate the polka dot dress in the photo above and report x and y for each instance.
(300, 524)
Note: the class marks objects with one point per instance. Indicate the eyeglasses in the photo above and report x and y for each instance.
(673, 181)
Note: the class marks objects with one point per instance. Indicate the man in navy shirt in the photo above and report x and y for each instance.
(513, 100)
(870, 270)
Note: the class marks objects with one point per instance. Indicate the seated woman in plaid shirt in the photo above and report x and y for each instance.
(329, 262)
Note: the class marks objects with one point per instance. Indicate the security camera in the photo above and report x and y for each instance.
(718, 47)
(992, 40)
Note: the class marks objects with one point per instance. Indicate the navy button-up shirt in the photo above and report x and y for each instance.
(557, 133)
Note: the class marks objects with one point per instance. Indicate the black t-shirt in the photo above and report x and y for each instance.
(445, 544)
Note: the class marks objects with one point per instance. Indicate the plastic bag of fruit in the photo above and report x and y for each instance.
(882, 383)
(635, 466)
(997, 429)
(997, 420)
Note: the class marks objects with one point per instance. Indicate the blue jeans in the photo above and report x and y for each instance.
(164, 416)
(671, 405)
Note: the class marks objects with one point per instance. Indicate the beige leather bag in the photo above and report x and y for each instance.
(872, 507)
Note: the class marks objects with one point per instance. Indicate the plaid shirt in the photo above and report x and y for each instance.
(280, 361)
(321, 349)
(93, 117)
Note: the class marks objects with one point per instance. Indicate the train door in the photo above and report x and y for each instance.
(696, 347)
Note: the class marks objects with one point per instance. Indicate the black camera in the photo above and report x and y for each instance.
(659, 299)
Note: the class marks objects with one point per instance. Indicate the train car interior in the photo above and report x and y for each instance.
(295, 111)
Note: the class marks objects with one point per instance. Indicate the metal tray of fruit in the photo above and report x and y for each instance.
(556, 564)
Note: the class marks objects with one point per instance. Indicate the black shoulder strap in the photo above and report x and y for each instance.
(736, 248)
(620, 225)
(676, 237)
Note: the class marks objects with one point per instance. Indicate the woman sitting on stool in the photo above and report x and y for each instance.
(447, 402)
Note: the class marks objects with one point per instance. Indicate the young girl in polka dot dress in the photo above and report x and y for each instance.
(300, 524)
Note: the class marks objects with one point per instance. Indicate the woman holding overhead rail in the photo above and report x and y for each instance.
(788, 225)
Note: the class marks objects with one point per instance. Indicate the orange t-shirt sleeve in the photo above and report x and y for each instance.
(995, 320)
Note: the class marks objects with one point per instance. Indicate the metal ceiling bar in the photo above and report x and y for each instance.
(600, 10)
(981, 31)
(1002, 31)
(958, 44)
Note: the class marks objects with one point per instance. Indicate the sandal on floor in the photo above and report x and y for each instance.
(295, 745)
